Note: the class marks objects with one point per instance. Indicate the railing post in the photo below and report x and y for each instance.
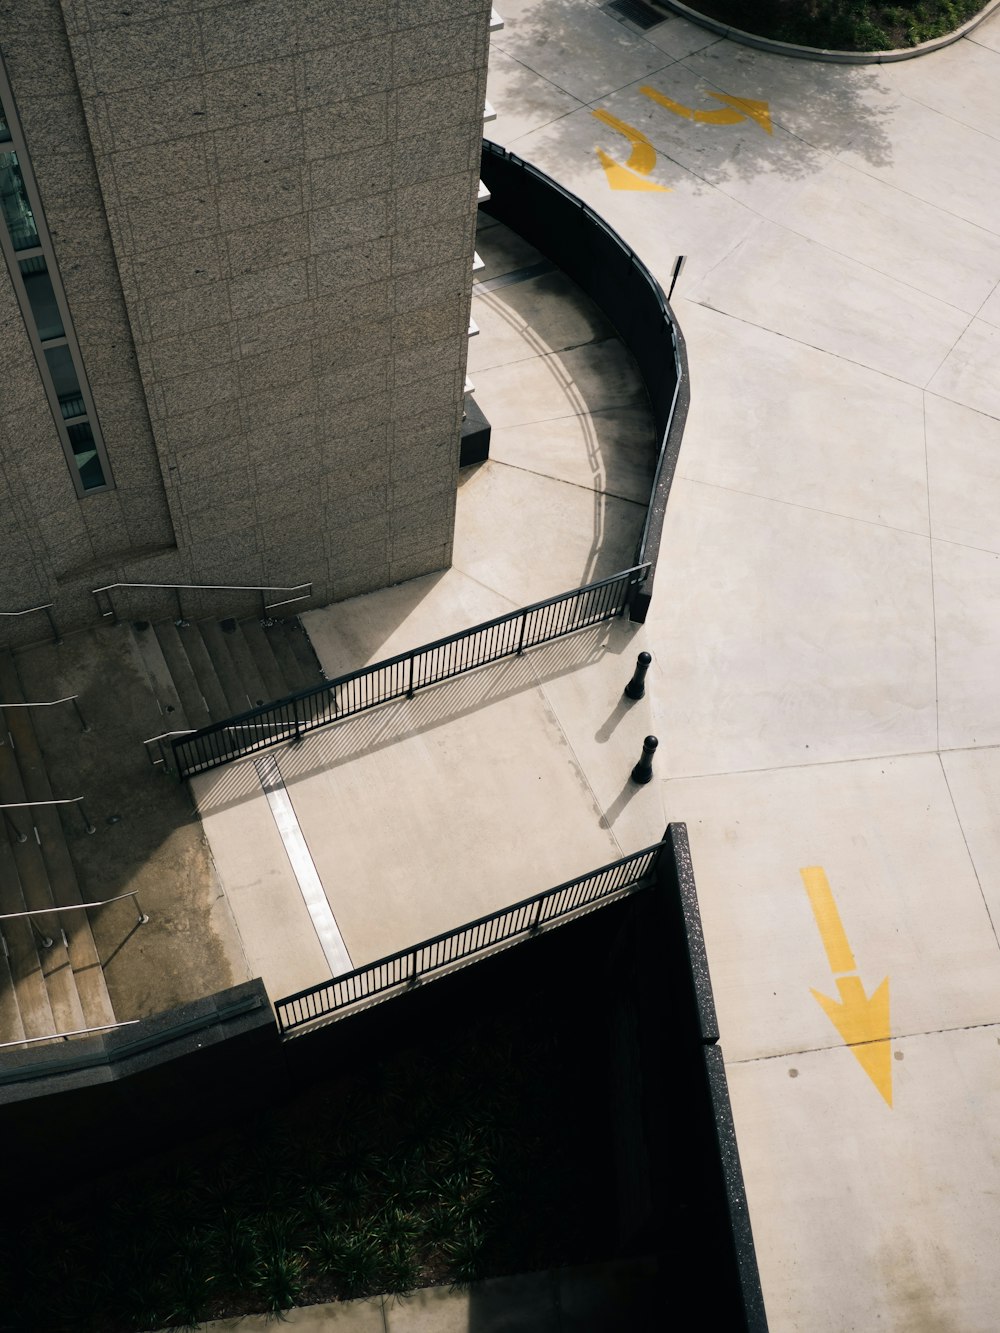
(520, 642)
(44, 940)
(413, 979)
(536, 925)
(88, 826)
(409, 692)
(143, 918)
(83, 724)
(298, 721)
(52, 625)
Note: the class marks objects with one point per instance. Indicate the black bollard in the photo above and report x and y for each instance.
(643, 771)
(636, 687)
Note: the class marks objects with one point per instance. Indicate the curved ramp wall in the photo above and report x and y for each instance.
(569, 233)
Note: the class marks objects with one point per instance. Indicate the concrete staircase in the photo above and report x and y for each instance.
(209, 670)
(51, 980)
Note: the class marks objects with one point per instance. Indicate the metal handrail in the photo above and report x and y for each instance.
(76, 1032)
(47, 608)
(452, 948)
(401, 676)
(29, 805)
(668, 419)
(178, 588)
(76, 907)
(158, 741)
(48, 703)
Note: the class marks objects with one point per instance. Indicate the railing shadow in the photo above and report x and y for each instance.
(434, 706)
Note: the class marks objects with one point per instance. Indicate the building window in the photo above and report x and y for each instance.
(27, 249)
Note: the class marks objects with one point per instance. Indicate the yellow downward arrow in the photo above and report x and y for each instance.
(733, 110)
(863, 1022)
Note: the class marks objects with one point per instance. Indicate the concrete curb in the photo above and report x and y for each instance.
(815, 52)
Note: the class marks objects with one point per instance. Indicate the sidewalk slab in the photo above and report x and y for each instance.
(887, 835)
(789, 636)
(865, 1216)
(278, 936)
(448, 817)
(806, 292)
(816, 431)
(963, 474)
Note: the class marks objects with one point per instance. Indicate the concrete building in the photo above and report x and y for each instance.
(234, 309)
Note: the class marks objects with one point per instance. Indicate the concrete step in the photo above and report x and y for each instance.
(243, 660)
(265, 660)
(193, 645)
(237, 700)
(173, 714)
(277, 634)
(186, 686)
(298, 641)
(71, 966)
(11, 1027)
(28, 864)
(24, 1009)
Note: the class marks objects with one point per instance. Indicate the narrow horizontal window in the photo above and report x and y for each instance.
(42, 298)
(65, 382)
(14, 204)
(27, 249)
(85, 455)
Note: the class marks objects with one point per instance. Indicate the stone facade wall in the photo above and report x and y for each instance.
(264, 216)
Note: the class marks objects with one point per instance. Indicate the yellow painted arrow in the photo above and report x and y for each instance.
(620, 178)
(641, 159)
(733, 110)
(862, 1020)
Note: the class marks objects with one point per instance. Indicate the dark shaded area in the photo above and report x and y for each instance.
(843, 25)
(560, 1102)
(569, 233)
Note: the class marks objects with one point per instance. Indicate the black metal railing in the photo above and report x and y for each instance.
(455, 947)
(569, 233)
(401, 676)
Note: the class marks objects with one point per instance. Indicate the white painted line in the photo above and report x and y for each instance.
(303, 867)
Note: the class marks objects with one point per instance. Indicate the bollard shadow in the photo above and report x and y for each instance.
(607, 727)
(619, 803)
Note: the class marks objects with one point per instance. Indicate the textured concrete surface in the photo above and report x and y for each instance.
(275, 335)
(427, 813)
(825, 644)
(827, 640)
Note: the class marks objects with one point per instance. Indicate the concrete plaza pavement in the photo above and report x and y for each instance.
(825, 631)
(826, 625)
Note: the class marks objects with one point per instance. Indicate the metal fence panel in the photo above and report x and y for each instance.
(515, 922)
(399, 677)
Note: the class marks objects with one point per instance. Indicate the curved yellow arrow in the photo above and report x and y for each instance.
(643, 155)
(862, 1020)
(732, 112)
(620, 178)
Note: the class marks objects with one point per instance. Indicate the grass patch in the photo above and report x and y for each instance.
(426, 1169)
(843, 25)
